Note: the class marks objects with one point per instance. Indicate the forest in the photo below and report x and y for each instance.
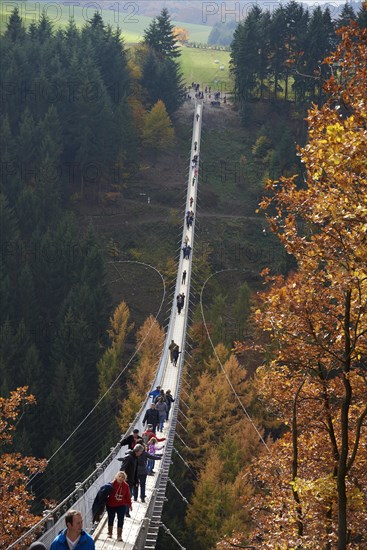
(271, 453)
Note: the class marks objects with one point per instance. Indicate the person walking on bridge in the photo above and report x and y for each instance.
(130, 467)
(118, 502)
(154, 393)
(151, 416)
(143, 472)
(131, 440)
(73, 536)
(162, 410)
(169, 401)
(171, 348)
(183, 280)
(176, 353)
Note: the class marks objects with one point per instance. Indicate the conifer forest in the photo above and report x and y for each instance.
(95, 133)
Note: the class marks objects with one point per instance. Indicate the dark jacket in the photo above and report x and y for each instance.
(130, 467)
(99, 503)
(151, 417)
(169, 400)
(130, 441)
(142, 462)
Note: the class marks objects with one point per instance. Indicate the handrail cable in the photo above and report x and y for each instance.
(121, 372)
(219, 361)
(172, 536)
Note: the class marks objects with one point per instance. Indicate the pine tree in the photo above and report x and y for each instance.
(14, 28)
(160, 36)
(26, 146)
(346, 16)
(44, 29)
(167, 40)
(26, 301)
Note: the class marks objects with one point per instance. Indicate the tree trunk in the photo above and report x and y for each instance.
(295, 463)
(343, 459)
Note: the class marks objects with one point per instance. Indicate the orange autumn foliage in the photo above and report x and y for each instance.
(15, 471)
(311, 488)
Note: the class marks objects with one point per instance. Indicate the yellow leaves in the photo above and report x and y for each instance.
(336, 132)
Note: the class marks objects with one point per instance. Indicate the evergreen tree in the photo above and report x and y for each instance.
(10, 172)
(44, 29)
(242, 306)
(26, 146)
(245, 55)
(346, 16)
(14, 28)
(362, 16)
(27, 306)
(151, 35)
(160, 37)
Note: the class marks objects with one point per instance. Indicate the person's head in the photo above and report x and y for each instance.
(162, 392)
(152, 406)
(149, 427)
(74, 522)
(37, 546)
(138, 449)
(120, 477)
(152, 441)
(168, 391)
(160, 400)
(158, 387)
(135, 433)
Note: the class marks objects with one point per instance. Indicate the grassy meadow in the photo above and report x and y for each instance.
(200, 65)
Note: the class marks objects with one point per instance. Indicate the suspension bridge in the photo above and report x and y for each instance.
(141, 529)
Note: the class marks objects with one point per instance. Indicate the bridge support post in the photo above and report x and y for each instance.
(79, 489)
(49, 520)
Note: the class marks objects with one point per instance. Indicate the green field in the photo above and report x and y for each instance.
(200, 66)
(125, 16)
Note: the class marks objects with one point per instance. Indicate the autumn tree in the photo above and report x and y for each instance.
(158, 131)
(180, 34)
(312, 487)
(220, 444)
(149, 342)
(111, 364)
(16, 470)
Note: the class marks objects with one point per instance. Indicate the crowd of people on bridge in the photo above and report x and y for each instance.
(117, 497)
(205, 94)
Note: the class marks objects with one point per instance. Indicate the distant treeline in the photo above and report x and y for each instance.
(279, 54)
(223, 31)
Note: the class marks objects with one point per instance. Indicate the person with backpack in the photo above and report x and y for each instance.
(130, 467)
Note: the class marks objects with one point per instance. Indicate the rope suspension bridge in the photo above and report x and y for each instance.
(141, 529)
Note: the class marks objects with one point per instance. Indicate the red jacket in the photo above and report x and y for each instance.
(120, 495)
(148, 434)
